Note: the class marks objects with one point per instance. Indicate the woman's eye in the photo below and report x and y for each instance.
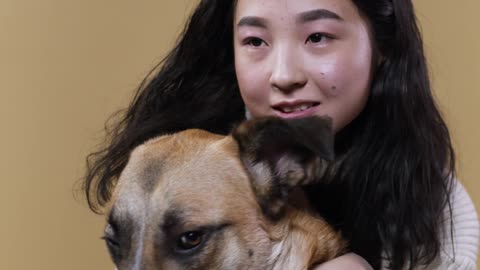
(255, 42)
(317, 38)
(190, 240)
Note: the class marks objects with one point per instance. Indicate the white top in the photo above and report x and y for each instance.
(462, 253)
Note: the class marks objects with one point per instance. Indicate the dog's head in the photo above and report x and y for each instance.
(195, 200)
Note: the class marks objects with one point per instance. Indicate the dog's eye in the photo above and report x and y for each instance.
(190, 240)
(111, 240)
(111, 243)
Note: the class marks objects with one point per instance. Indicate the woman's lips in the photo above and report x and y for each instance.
(296, 109)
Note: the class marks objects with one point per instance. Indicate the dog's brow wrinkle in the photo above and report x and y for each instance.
(115, 220)
(150, 175)
(172, 219)
(111, 219)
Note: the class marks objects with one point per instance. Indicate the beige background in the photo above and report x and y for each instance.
(66, 65)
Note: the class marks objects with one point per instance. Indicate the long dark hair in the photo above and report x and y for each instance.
(393, 176)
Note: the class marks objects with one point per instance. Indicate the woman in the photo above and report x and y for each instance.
(393, 193)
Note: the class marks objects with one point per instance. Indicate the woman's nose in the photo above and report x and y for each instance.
(287, 71)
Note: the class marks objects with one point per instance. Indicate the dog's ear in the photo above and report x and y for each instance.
(280, 154)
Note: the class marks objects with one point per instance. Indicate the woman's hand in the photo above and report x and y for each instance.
(349, 261)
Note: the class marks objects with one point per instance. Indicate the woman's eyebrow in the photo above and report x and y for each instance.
(252, 21)
(304, 17)
(317, 14)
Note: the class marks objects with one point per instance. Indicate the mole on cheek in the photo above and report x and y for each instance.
(334, 88)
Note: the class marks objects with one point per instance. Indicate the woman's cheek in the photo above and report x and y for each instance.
(253, 88)
(342, 82)
(328, 76)
(337, 81)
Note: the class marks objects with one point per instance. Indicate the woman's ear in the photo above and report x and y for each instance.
(281, 154)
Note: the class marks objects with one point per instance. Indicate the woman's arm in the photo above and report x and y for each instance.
(350, 261)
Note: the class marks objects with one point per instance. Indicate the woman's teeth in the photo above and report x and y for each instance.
(298, 108)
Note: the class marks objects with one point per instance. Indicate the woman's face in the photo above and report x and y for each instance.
(296, 58)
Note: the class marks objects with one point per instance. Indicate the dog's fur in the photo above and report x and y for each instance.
(195, 200)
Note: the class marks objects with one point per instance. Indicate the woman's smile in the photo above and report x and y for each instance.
(296, 108)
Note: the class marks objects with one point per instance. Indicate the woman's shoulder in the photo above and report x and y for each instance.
(460, 234)
(460, 242)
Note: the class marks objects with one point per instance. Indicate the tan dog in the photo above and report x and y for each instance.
(195, 200)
